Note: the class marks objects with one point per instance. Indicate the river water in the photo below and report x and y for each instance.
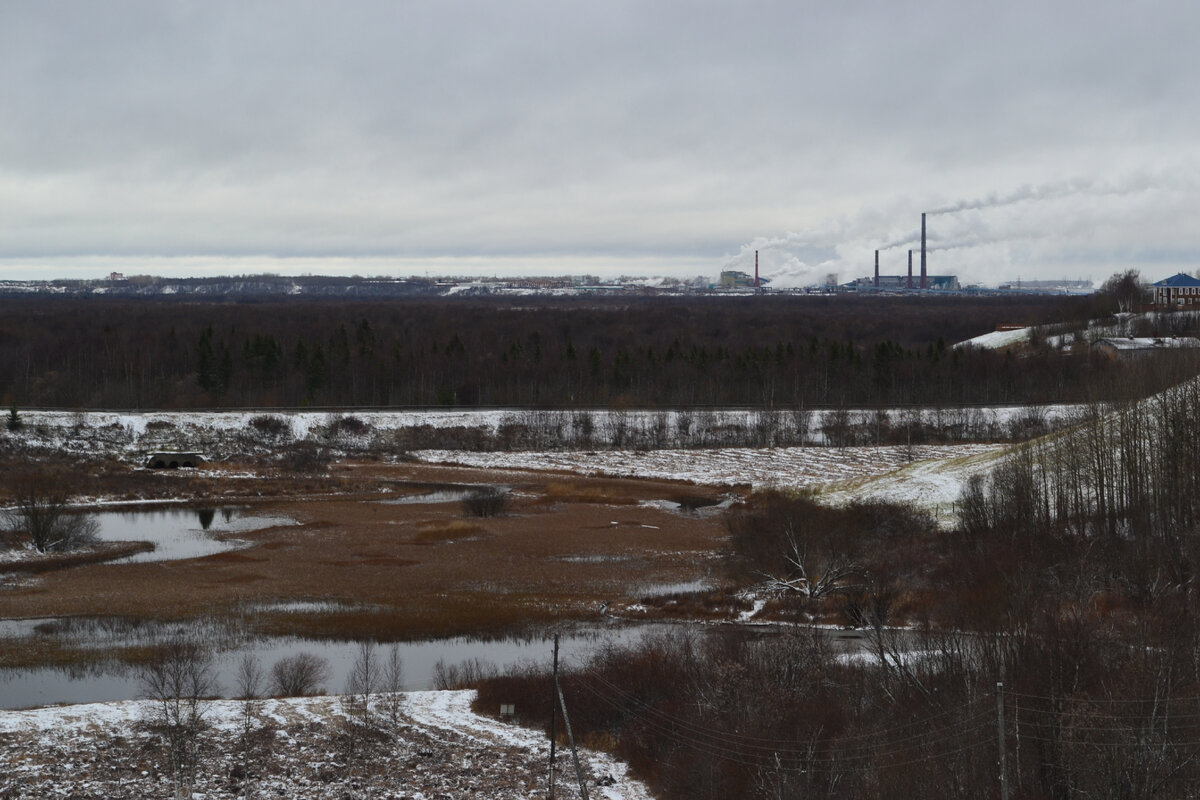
(25, 688)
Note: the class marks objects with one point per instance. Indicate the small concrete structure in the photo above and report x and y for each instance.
(174, 460)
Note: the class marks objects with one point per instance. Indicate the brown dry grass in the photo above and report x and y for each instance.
(583, 492)
(97, 554)
(440, 531)
(421, 570)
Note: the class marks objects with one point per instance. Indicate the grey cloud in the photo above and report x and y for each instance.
(628, 128)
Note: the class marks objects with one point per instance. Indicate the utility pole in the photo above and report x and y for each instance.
(571, 738)
(553, 716)
(1000, 738)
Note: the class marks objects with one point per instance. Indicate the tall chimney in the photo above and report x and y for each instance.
(910, 269)
(876, 269)
(755, 269)
(924, 279)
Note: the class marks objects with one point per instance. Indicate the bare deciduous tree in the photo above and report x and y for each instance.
(42, 511)
(1127, 289)
(793, 543)
(179, 681)
(250, 683)
(363, 681)
(393, 685)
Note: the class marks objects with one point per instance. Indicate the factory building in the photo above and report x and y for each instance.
(896, 283)
(891, 283)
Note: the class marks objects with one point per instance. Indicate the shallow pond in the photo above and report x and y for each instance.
(178, 533)
(448, 493)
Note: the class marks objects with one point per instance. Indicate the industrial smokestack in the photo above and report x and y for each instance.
(910, 269)
(876, 269)
(924, 279)
(755, 269)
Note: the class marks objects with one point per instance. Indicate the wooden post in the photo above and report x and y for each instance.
(571, 738)
(553, 716)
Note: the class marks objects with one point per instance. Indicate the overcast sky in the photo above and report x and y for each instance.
(1057, 139)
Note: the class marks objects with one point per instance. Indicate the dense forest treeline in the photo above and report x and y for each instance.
(574, 352)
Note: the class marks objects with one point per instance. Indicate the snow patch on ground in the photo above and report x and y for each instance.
(998, 339)
(747, 616)
(786, 467)
(934, 485)
(441, 749)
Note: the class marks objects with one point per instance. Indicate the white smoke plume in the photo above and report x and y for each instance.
(1028, 192)
(1075, 212)
(1140, 181)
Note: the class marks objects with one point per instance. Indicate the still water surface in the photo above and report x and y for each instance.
(181, 533)
(45, 686)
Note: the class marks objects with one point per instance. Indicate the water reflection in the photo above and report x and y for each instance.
(108, 681)
(178, 533)
(443, 493)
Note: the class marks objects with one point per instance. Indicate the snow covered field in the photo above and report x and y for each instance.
(440, 750)
(929, 476)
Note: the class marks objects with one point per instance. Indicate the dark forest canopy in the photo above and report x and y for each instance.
(567, 352)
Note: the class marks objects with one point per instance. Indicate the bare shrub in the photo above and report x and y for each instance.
(305, 458)
(301, 675)
(1031, 422)
(463, 675)
(41, 511)
(838, 427)
(347, 426)
(270, 426)
(516, 436)
(488, 502)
